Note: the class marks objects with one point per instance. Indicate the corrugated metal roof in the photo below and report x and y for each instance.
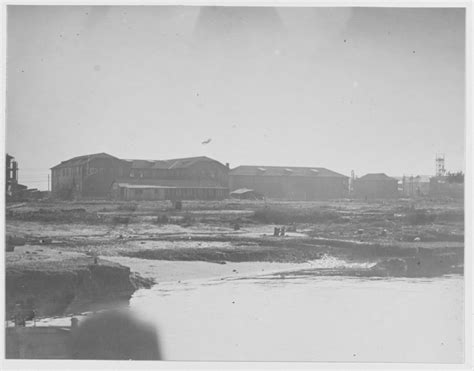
(79, 160)
(141, 164)
(284, 171)
(376, 176)
(177, 163)
(160, 164)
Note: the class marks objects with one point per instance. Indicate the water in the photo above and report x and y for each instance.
(269, 312)
(307, 318)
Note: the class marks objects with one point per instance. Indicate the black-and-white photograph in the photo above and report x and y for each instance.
(236, 183)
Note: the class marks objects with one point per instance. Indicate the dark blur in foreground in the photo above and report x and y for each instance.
(115, 335)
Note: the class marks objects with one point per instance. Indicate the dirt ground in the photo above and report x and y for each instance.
(237, 231)
(66, 256)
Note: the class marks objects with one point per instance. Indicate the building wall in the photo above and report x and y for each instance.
(102, 173)
(412, 187)
(376, 188)
(209, 171)
(138, 194)
(169, 193)
(292, 187)
(202, 172)
(65, 181)
(92, 179)
(11, 177)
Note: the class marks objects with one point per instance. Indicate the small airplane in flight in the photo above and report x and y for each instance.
(207, 141)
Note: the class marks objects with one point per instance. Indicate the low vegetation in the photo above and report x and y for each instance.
(78, 215)
(417, 217)
(288, 215)
(128, 207)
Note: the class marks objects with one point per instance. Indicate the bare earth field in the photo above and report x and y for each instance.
(401, 238)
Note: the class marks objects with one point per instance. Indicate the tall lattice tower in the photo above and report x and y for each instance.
(440, 170)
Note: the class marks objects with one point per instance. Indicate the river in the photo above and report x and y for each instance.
(248, 312)
(308, 318)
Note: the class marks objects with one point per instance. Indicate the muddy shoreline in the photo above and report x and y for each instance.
(53, 260)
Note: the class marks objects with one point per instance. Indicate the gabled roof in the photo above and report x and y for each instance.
(376, 176)
(141, 164)
(79, 160)
(284, 171)
(177, 163)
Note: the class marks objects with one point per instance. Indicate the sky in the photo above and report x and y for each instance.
(363, 89)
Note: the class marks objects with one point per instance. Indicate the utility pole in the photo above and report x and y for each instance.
(48, 182)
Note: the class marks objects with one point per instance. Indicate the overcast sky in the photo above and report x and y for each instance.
(369, 89)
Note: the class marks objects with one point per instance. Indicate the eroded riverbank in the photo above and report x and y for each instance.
(57, 284)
